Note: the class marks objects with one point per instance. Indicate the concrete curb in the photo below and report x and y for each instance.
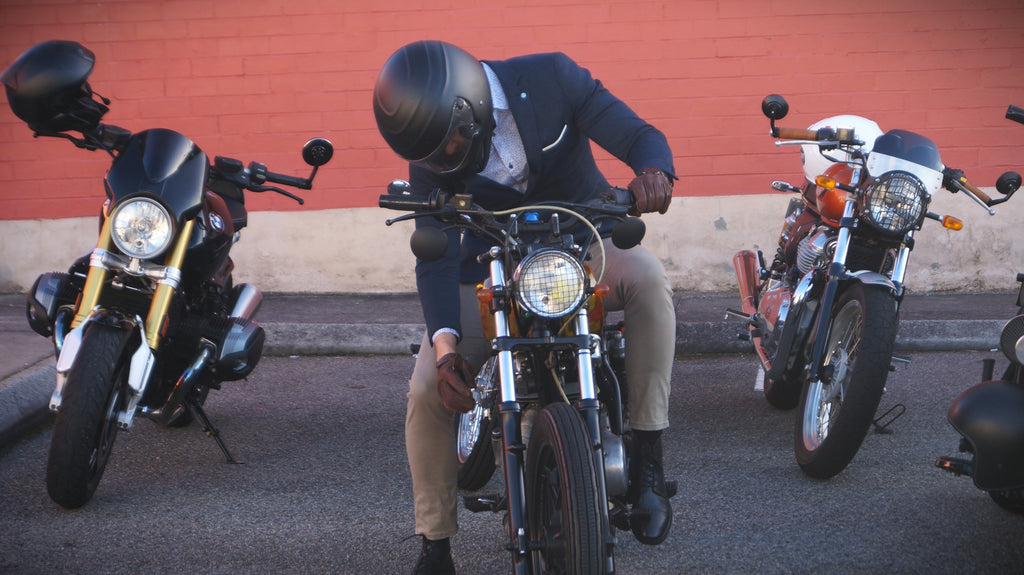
(24, 395)
(24, 399)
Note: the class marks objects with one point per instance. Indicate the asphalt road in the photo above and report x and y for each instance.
(325, 488)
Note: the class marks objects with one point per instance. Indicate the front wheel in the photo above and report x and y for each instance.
(836, 410)
(86, 424)
(565, 524)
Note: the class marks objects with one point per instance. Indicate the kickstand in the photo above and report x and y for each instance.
(208, 428)
(894, 413)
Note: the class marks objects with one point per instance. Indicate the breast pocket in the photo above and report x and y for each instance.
(555, 142)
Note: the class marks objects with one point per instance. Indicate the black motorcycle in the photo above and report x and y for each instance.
(551, 399)
(149, 321)
(989, 416)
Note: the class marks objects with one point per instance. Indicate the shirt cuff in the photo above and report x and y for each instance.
(437, 333)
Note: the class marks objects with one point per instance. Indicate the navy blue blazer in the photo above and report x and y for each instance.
(559, 108)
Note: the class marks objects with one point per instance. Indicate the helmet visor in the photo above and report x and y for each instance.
(456, 150)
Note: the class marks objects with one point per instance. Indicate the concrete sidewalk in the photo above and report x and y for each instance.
(341, 324)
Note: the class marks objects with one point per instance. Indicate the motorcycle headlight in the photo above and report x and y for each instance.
(550, 283)
(141, 228)
(895, 202)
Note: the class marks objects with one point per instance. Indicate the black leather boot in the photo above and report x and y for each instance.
(651, 514)
(435, 558)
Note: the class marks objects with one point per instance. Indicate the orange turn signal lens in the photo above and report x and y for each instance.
(951, 223)
(484, 294)
(601, 290)
(826, 182)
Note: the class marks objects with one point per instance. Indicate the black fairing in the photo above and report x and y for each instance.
(909, 146)
(169, 166)
(989, 416)
(161, 163)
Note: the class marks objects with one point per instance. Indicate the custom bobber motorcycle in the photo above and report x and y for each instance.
(551, 398)
(823, 313)
(149, 321)
(989, 416)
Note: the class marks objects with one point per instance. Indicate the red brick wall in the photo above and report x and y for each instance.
(254, 79)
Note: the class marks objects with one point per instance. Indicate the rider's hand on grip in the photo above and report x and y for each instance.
(652, 191)
(454, 380)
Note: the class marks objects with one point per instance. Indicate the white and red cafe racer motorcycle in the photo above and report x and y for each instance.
(823, 313)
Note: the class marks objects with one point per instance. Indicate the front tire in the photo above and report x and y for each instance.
(86, 424)
(565, 525)
(834, 417)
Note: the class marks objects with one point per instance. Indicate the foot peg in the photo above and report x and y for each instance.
(487, 502)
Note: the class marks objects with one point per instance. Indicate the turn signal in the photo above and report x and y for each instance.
(484, 294)
(951, 223)
(826, 182)
(601, 290)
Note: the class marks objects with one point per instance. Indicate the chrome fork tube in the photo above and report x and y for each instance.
(584, 358)
(899, 267)
(511, 426)
(505, 366)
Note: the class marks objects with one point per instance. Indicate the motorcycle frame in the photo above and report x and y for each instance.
(587, 348)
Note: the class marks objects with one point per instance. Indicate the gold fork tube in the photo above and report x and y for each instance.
(95, 280)
(165, 291)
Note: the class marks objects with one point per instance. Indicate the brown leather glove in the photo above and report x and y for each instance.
(454, 380)
(652, 190)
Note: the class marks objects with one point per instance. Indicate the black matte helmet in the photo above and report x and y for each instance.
(433, 106)
(47, 87)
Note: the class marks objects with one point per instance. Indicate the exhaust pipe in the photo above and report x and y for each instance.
(247, 302)
(748, 273)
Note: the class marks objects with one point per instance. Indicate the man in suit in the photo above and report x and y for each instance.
(511, 133)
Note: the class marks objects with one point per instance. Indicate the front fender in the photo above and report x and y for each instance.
(868, 277)
(141, 366)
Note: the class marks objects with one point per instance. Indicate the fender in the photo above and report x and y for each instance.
(868, 277)
(140, 367)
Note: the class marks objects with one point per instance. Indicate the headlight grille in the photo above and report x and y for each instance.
(894, 202)
(550, 283)
(141, 228)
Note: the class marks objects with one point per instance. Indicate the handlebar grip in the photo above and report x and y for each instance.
(795, 134)
(1015, 113)
(291, 181)
(976, 191)
(405, 203)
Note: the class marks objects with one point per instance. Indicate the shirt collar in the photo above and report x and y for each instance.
(498, 99)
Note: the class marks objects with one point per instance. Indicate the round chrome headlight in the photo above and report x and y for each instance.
(895, 202)
(550, 283)
(141, 228)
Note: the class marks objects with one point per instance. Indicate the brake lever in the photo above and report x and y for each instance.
(278, 190)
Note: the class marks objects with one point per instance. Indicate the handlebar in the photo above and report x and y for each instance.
(315, 152)
(253, 177)
(975, 190)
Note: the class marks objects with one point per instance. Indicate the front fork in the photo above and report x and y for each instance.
(511, 419)
(837, 272)
(150, 331)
